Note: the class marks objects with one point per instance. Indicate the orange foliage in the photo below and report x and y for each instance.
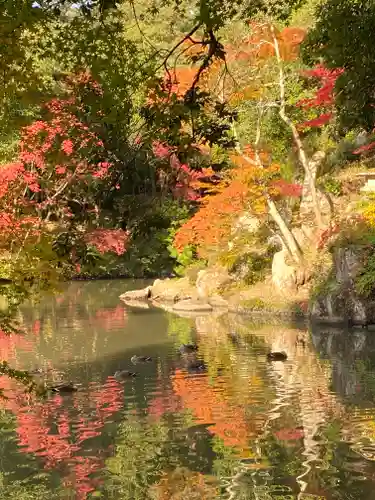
(211, 224)
(248, 185)
(260, 44)
(244, 189)
(182, 78)
(254, 49)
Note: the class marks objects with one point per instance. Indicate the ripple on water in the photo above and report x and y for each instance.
(242, 428)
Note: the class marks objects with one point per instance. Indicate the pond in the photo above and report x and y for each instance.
(242, 428)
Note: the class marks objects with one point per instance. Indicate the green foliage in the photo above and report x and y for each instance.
(193, 269)
(251, 267)
(250, 256)
(184, 259)
(304, 16)
(360, 234)
(365, 281)
(331, 185)
(181, 330)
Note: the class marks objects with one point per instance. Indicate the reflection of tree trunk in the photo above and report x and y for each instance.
(305, 380)
(296, 137)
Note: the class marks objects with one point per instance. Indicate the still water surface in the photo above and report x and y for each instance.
(243, 429)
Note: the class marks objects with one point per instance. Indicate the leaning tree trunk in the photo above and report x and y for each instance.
(296, 137)
(287, 235)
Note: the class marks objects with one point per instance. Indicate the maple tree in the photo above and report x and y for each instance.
(60, 160)
(263, 44)
(324, 98)
(247, 188)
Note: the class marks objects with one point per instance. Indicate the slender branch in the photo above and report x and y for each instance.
(175, 47)
(213, 45)
(139, 26)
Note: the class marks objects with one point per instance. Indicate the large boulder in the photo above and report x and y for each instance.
(348, 262)
(209, 281)
(284, 276)
(218, 302)
(172, 290)
(143, 294)
(343, 302)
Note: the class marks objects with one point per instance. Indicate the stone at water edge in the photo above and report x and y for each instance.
(172, 290)
(136, 304)
(143, 294)
(218, 301)
(192, 305)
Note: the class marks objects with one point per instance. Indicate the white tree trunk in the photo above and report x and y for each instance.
(296, 137)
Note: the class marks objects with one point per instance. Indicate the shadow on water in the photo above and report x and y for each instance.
(243, 428)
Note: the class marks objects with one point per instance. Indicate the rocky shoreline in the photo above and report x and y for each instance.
(214, 290)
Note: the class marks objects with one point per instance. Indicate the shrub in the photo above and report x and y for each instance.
(365, 281)
(331, 185)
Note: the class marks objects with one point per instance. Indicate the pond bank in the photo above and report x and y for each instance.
(335, 302)
(215, 290)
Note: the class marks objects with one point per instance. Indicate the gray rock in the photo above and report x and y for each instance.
(344, 303)
(348, 262)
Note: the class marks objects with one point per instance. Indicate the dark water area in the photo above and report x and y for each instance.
(243, 428)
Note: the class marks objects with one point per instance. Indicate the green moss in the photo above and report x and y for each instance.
(365, 281)
(254, 304)
(323, 279)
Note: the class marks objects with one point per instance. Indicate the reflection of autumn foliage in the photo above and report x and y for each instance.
(289, 434)
(71, 309)
(109, 316)
(211, 406)
(57, 433)
(183, 484)
(164, 403)
(9, 344)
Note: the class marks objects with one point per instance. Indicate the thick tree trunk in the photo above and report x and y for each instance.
(288, 237)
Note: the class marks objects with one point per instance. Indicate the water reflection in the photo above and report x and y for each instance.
(243, 428)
